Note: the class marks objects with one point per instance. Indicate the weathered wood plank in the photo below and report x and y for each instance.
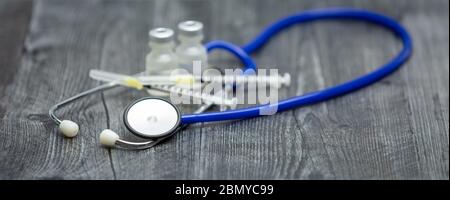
(14, 19)
(61, 45)
(395, 129)
(427, 93)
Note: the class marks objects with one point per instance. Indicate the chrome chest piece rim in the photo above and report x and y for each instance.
(151, 117)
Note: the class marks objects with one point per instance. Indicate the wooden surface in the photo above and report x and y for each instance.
(395, 129)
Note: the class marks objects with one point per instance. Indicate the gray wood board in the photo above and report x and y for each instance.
(395, 129)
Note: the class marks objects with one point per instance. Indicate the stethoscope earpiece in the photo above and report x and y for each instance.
(108, 138)
(68, 128)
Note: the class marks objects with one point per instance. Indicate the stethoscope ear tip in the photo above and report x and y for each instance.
(108, 138)
(68, 128)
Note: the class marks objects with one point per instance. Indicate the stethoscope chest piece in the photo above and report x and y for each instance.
(151, 117)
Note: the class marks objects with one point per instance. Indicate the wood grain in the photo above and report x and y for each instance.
(54, 63)
(395, 129)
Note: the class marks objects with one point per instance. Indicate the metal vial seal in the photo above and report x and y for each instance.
(161, 35)
(190, 28)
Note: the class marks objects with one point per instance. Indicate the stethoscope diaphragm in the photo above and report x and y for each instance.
(151, 117)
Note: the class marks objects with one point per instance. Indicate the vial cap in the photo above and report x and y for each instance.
(161, 35)
(190, 28)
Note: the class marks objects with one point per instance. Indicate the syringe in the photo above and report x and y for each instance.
(135, 82)
(144, 80)
(272, 80)
(218, 99)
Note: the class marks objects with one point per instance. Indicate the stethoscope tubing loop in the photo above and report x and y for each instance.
(320, 95)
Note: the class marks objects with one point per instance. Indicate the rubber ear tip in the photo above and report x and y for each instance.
(68, 128)
(108, 138)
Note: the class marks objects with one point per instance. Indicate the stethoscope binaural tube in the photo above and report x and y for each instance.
(317, 96)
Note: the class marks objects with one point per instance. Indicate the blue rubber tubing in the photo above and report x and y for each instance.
(316, 96)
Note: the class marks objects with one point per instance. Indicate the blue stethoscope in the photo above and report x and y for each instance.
(110, 138)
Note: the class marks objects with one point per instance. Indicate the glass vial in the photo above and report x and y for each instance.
(190, 36)
(161, 59)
